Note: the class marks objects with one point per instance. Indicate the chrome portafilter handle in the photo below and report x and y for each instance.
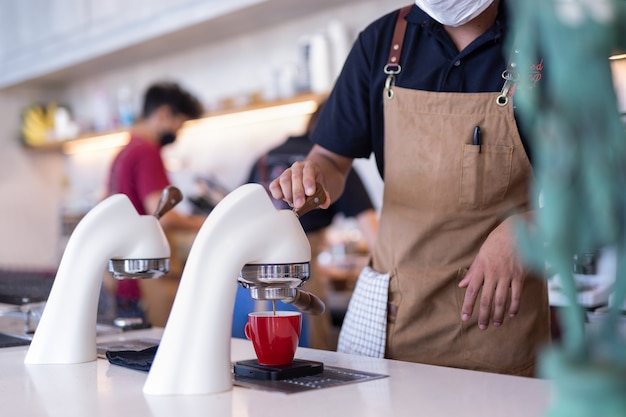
(281, 282)
(269, 293)
(148, 268)
(138, 268)
(273, 281)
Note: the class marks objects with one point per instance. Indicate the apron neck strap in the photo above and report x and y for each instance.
(393, 68)
(393, 63)
(510, 76)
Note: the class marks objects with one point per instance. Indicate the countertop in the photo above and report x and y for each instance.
(101, 389)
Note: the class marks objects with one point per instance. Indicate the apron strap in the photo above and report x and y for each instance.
(510, 76)
(393, 67)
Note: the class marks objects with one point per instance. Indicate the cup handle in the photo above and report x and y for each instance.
(247, 331)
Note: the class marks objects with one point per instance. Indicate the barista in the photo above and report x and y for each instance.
(446, 285)
(138, 171)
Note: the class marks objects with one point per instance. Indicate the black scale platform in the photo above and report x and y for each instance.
(298, 368)
(300, 376)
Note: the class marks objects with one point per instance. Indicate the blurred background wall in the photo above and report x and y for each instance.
(90, 55)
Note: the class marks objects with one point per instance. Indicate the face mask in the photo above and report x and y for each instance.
(167, 138)
(453, 12)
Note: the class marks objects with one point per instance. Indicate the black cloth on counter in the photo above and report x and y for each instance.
(7, 340)
(139, 360)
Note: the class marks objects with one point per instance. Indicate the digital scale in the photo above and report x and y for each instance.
(296, 369)
(299, 376)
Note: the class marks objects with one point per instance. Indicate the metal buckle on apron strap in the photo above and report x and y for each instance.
(393, 67)
(510, 77)
(391, 71)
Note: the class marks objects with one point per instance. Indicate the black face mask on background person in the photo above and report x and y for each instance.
(167, 138)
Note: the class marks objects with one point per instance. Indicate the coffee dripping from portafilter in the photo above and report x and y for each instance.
(271, 282)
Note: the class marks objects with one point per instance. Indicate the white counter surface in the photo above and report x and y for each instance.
(101, 389)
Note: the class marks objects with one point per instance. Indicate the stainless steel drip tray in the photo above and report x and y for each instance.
(330, 377)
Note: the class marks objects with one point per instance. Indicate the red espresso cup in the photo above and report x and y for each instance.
(274, 337)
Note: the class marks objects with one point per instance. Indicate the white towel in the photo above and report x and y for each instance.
(364, 327)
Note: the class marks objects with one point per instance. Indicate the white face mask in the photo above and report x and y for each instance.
(453, 12)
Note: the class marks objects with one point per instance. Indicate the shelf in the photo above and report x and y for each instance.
(59, 145)
(305, 103)
(97, 47)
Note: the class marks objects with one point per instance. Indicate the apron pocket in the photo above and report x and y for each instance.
(364, 328)
(485, 176)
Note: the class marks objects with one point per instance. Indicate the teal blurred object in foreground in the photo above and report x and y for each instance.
(579, 146)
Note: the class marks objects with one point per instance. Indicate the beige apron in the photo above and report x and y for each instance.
(441, 200)
(443, 195)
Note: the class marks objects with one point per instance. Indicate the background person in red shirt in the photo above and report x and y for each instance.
(138, 170)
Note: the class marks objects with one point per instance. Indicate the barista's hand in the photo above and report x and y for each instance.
(499, 271)
(298, 182)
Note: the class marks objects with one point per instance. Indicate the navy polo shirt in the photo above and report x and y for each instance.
(351, 123)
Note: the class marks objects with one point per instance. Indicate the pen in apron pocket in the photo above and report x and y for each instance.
(477, 139)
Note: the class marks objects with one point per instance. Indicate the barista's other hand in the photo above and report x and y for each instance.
(498, 270)
(298, 182)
